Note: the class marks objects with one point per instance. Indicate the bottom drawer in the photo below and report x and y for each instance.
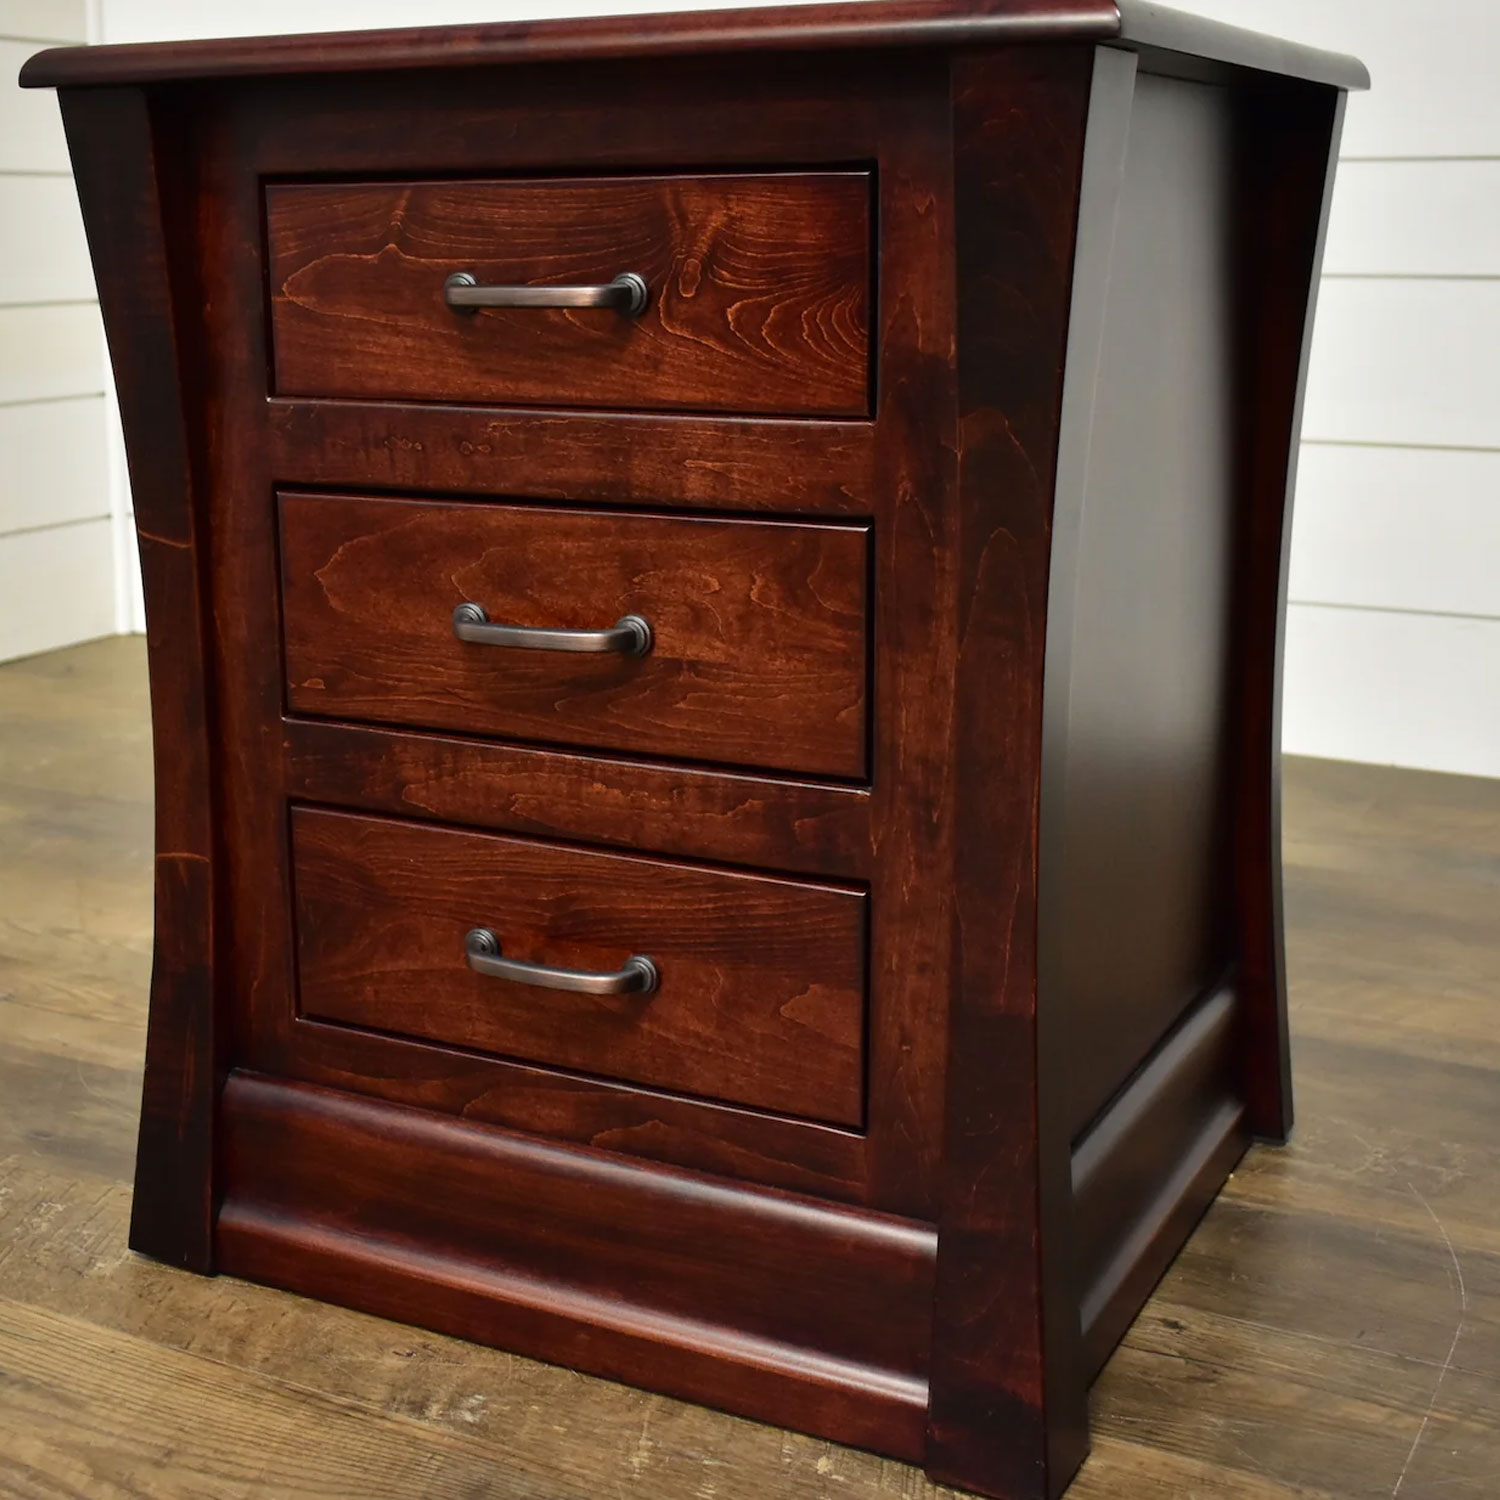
(757, 994)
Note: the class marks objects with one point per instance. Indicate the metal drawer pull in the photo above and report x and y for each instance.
(482, 949)
(628, 636)
(627, 294)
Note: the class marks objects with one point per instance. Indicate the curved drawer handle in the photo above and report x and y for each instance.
(628, 636)
(627, 294)
(482, 949)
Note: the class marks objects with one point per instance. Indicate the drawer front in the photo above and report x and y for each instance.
(757, 291)
(757, 628)
(759, 995)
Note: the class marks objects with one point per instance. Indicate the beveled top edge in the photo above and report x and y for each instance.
(847, 24)
(1144, 23)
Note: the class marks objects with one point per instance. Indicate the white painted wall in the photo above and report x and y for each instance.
(57, 572)
(1394, 631)
(1393, 639)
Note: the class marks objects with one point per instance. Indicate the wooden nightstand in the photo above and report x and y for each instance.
(714, 590)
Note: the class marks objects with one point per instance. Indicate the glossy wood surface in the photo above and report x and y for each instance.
(719, 463)
(913, 580)
(1312, 1338)
(730, 817)
(761, 994)
(242, 139)
(758, 291)
(1143, 743)
(884, 23)
(1288, 141)
(759, 629)
(1007, 1412)
(869, 901)
(658, 1277)
(1147, 1169)
(871, 111)
(126, 209)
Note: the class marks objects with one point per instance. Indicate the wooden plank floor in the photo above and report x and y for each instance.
(1333, 1329)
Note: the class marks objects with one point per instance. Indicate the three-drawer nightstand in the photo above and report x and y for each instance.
(714, 588)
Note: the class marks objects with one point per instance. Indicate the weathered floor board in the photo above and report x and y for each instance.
(1333, 1328)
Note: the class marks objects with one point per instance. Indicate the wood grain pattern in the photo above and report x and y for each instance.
(759, 651)
(735, 1142)
(759, 289)
(606, 457)
(243, 140)
(1008, 1408)
(130, 213)
(734, 818)
(661, 1278)
(761, 999)
(893, 23)
(1298, 1346)
(477, 123)
(886, 23)
(861, 917)
(914, 815)
(872, 108)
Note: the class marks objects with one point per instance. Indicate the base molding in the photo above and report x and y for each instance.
(1146, 1171)
(808, 1315)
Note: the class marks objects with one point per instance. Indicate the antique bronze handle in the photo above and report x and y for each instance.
(628, 636)
(482, 949)
(627, 294)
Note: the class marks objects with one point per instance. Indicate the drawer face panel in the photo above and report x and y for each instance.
(757, 288)
(760, 995)
(758, 628)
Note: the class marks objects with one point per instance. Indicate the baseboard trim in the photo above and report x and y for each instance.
(1132, 1217)
(786, 1310)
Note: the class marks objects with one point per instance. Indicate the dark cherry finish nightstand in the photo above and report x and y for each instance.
(715, 589)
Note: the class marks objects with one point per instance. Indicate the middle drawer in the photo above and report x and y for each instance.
(755, 632)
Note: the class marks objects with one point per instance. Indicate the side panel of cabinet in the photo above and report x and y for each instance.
(140, 212)
(1161, 936)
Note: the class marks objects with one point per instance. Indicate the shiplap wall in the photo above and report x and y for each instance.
(1393, 647)
(1393, 636)
(57, 558)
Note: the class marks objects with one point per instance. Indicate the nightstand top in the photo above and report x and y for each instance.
(852, 25)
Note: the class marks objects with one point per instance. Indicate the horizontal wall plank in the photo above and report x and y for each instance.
(1393, 689)
(130, 607)
(1415, 218)
(44, 256)
(1432, 67)
(1406, 362)
(130, 599)
(58, 588)
(44, 20)
(31, 134)
(1399, 528)
(47, 352)
(53, 463)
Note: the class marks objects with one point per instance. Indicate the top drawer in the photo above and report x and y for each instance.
(756, 300)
